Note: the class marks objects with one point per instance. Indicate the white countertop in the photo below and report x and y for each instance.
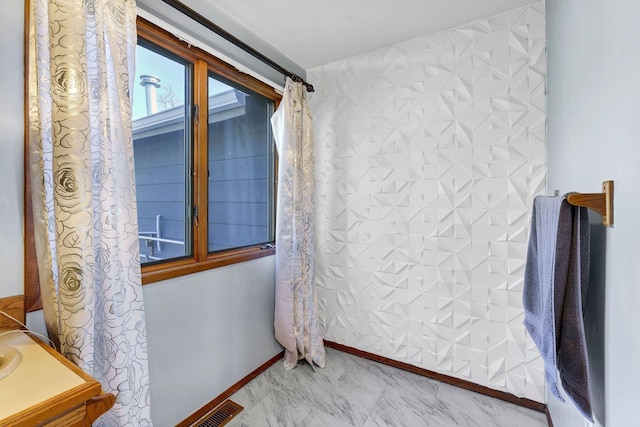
(38, 377)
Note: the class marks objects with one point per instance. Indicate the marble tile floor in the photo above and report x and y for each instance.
(352, 391)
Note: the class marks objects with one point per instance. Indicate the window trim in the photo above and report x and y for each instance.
(201, 259)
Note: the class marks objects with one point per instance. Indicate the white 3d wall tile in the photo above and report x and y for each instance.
(428, 156)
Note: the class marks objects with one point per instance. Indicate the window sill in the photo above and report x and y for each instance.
(159, 272)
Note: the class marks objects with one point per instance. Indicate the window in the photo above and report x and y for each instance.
(240, 153)
(204, 162)
(204, 159)
(161, 143)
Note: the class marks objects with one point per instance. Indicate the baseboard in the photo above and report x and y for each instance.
(548, 414)
(507, 397)
(228, 392)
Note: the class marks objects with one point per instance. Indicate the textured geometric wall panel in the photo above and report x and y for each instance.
(429, 153)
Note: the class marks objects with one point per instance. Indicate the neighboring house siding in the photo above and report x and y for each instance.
(160, 186)
(239, 179)
(239, 184)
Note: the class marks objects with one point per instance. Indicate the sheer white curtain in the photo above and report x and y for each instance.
(296, 322)
(81, 60)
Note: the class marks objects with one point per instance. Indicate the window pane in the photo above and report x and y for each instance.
(161, 150)
(240, 167)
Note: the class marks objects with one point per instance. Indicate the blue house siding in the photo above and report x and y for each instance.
(239, 181)
(239, 188)
(160, 187)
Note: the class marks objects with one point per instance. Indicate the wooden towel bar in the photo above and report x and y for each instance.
(599, 202)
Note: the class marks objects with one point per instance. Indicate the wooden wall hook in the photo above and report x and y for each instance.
(602, 203)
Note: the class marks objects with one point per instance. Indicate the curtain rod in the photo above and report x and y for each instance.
(187, 11)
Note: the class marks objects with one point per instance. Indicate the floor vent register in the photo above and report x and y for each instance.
(220, 415)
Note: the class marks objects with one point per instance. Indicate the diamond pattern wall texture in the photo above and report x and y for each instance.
(428, 156)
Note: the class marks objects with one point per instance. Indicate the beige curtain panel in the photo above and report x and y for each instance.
(81, 56)
(297, 326)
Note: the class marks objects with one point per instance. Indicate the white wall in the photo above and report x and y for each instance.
(205, 331)
(429, 153)
(593, 133)
(11, 141)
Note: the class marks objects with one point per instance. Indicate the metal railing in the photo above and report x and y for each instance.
(155, 236)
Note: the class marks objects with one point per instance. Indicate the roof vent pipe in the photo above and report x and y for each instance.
(150, 84)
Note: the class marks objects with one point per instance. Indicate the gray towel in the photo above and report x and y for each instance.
(572, 345)
(538, 297)
(554, 298)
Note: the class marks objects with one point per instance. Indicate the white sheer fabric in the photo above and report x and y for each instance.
(81, 59)
(296, 323)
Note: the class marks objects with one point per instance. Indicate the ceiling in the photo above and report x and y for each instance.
(313, 33)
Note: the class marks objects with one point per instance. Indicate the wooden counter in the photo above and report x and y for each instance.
(48, 390)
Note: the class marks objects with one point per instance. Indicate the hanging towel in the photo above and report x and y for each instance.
(554, 297)
(538, 297)
(572, 345)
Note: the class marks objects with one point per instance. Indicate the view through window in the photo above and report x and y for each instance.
(161, 153)
(181, 136)
(240, 176)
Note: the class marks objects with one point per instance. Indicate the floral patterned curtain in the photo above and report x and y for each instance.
(296, 322)
(81, 61)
